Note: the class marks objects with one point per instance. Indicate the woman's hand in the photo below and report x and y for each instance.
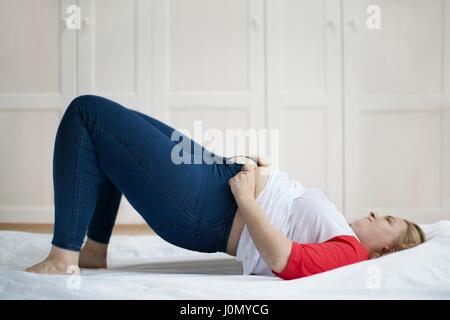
(243, 184)
(260, 161)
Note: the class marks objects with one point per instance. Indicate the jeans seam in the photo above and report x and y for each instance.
(144, 166)
(227, 227)
(193, 233)
(100, 136)
(75, 211)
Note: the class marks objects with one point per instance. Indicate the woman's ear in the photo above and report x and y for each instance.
(374, 255)
(385, 250)
(388, 249)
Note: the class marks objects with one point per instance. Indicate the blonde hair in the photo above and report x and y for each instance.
(413, 236)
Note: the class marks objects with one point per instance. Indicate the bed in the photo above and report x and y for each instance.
(147, 267)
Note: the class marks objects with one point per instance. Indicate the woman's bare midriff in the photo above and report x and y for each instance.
(261, 177)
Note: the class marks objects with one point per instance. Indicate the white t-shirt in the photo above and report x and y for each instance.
(304, 215)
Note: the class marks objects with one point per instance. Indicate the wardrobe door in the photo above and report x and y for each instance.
(208, 69)
(114, 50)
(304, 90)
(397, 104)
(37, 79)
(114, 56)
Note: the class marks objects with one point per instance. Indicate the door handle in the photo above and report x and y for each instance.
(86, 22)
(331, 24)
(254, 22)
(352, 24)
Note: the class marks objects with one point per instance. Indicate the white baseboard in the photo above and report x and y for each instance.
(45, 215)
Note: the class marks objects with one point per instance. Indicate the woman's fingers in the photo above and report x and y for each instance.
(262, 162)
(248, 167)
(243, 183)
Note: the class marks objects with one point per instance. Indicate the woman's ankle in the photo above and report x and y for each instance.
(63, 256)
(94, 255)
(97, 248)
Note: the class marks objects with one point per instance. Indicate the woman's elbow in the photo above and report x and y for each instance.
(279, 264)
(280, 261)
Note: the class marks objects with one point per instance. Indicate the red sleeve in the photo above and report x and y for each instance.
(311, 258)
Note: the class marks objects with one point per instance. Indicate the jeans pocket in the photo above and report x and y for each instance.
(180, 235)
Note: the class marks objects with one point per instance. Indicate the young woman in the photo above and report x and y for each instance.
(269, 222)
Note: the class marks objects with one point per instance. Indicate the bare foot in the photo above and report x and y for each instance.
(93, 255)
(49, 266)
(59, 261)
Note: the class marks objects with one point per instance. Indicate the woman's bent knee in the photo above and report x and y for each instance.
(85, 104)
(85, 101)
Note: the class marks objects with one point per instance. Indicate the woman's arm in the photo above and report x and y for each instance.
(272, 244)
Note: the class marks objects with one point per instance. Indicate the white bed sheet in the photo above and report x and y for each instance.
(147, 267)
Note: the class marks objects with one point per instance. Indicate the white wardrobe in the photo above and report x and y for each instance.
(363, 114)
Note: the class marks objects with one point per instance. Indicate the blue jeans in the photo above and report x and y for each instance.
(103, 150)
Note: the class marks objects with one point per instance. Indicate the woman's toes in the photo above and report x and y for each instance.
(53, 267)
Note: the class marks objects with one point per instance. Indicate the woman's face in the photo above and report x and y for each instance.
(377, 232)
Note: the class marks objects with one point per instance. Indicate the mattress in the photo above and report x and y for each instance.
(147, 267)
